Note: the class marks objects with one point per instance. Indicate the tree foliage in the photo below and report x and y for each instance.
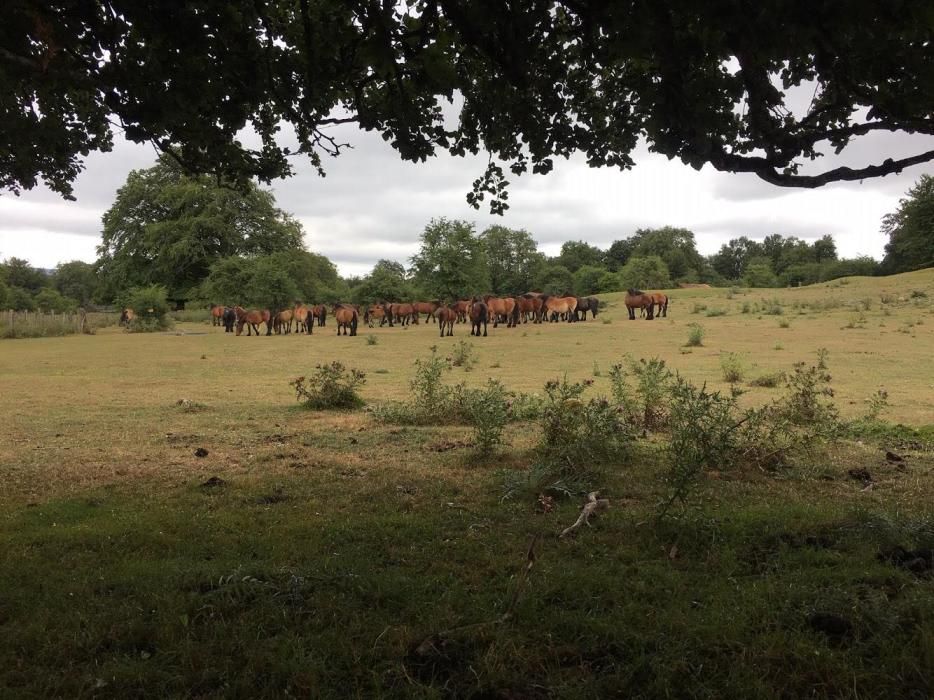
(648, 272)
(451, 263)
(513, 258)
(708, 83)
(76, 280)
(554, 279)
(911, 230)
(169, 228)
(576, 254)
(386, 282)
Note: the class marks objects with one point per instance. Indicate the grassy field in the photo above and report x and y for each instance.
(334, 545)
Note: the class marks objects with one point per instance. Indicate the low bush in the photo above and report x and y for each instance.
(732, 367)
(462, 355)
(768, 381)
(330, 386)
(695, 335)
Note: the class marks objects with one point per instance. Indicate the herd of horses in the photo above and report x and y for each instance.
(479, 311)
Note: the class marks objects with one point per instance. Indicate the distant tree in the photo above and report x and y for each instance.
(77, 280)
(48, 299)
(618, 254)
(386, 282)
(314, 275)
(576, 254)
(759, 274)
(911, 230)
(610, 282)
(849, 267)
(587, 280)
(451, 263)
(228, 281)
(513, 257)
(802, 274)
(824, 249)
(168, 228)
(4, 295)
(732, 258)
(649, 272)
(19, 273)
(554, 279)
(20, 299)
(270, 286)
(675, 246)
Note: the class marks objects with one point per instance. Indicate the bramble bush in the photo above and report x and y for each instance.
(330, 386)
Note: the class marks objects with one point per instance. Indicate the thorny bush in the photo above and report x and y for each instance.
(330, 386)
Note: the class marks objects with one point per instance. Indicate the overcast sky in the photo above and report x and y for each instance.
(372, 205)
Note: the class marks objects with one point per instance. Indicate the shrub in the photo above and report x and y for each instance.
(715, 312)
(487, 410)
(330, 386)
(768, 381)
(695, 335)
(371, 339)
(746, 308)
(784, 323)
(878, 402)
(698, 307)
(462, 355)
(191, 316)
(150, 307)
(773, 308)
(653, 382)
(918, 294)
(732, 367)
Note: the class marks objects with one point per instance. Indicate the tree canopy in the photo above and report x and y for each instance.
(168, 228)
(451, 262)
(707, 83)
(513, 258)
(911, 230)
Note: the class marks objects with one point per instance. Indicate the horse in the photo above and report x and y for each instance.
(126, 317)
(229, 318)
(303, 318)
(529, 307)
(217, 314)
(661, 301)
(403, 313)
(320, 313)
(282, 322)
(558, 306)
(462, 308)
(377, 312)
(251, 319)
(637, 299)
(446, 316)
(426, 307)
(346, 317)
(502, 307)
(478, 314)
(585, 304)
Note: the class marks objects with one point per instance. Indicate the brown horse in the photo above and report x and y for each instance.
(346, 317)
(426, 307)
(479, 314)
(661, 301)
(502, 308)
(282, 322)
(637, 299)
(303, 319)
(217, 315)
(126, 316)
(251, 319)
(402, 313)
(374, 313)
(462, 308)
(585, 304)
(555, 307)
(446, 316)
(530, 307)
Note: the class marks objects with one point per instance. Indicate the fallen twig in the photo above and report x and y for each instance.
(592, 505)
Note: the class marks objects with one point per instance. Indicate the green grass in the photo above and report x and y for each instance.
(337, 545)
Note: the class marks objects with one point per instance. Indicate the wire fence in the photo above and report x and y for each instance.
(47, 324)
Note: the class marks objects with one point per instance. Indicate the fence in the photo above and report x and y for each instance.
(39, 324)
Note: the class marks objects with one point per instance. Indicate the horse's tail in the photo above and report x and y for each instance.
(353, 324)
(515, 313)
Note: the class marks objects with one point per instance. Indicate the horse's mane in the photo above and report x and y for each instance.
(634, 292)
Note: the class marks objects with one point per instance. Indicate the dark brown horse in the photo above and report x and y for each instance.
(446, 317)
(346, 317)
(479, 314)
(217, 314)
(230, 318)
(530, 307)
(637, 299)
(251, 319)
(585, 304)
(462, 308)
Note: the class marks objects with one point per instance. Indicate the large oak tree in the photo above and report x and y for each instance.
(707, 83)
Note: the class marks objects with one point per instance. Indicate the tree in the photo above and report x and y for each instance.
(386, 282)
(675, 246)
(77, 280)
(228, 281)
(168, 228)
(271, 287)
(911, 230)
(513, 258)
(824, 249)
(645, 273)
(314, 275)
(20, 299)
(618, 254)
(610, 282)
(19, 273)
(759, 274)
(587, 280)
(4, 295)
(554, 279)
(576, 254)
(732, 258)
(537, 80)
(451, 263)
(49, 299)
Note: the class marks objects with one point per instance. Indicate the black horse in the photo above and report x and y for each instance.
(585, 304)
(479, 314)
(229, 318)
